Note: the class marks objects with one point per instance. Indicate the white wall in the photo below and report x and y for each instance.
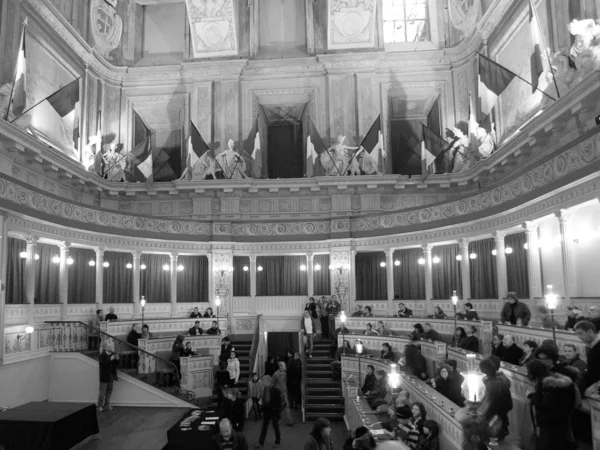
(24, 382)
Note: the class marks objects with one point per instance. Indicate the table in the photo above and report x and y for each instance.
(47, 425)
(177, 439)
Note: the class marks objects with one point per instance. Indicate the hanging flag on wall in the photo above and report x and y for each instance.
(373, 144)
(493, 80)
(66, 103)
(314, 148)
(19, 98)
(537, 66)
(432, 152)
(141, 155)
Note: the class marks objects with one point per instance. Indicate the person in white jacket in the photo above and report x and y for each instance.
(233, 367)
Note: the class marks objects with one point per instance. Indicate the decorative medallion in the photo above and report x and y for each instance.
(464, 14)
(212, 27)
(106, 25)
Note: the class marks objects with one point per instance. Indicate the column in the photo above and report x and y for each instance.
(253, 277)
(428, 277)
(569, 263)
(389, 271)
(99, 276)
(211, 282)
(137, 258)
(173, 284)
(501, 264)
(310, 273)
(465, 268)
(29, 276)
(534, 267)
(63, 279)
(3, 270)
(352, 296)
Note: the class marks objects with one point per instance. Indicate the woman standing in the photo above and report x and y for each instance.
(294, 380)
(233, 367)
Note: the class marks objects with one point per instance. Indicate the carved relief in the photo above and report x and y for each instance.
(212, 27)
(222, 263)
(464, 14)
(340, 276)
(351, 24)
(106, 26)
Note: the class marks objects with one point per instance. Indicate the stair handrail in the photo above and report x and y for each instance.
(109, 336)
(303, 382)
(253, 355)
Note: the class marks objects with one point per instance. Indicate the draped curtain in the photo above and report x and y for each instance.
(46, 274)
(117, 278)
(241, 278)
(321, 278)
(281, 275)
(82, 276)
(155, 282)
(446, 274)
(516, 264)
(371, 278)
(15, 286)
(409, 276)
(484, 283)
(192, 281)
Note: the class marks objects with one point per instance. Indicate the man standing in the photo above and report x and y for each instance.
(515, 312)
(196, 330)
(107, 363)
(512, 352)
(324, 317)
(272, 410)
(94, 339)
(280, 378)
(226, 349)
(228, 439)
(333, 310)
(308, 332)
(587, 334)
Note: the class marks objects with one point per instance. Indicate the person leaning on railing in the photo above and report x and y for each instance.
(214, 329)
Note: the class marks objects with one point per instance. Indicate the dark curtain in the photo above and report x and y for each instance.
(118, 279)
(321, 278)
(446, 274)
(241, 279)
(155, 283)
(281, 275)
(287, 161)
(516, 265)
(82, 276)
(15, 286)
(46, 274)
(484, 283)
(371, 278)
(192, 281)
(409, 276)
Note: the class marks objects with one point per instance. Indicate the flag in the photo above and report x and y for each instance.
(432, 146)
(314, 147)
(493, 80)
(537, 66)
(20, 81)
(65, 99)
(141, 155)
(473, 125)
(254, 141)
(373, 143)
(196, 147)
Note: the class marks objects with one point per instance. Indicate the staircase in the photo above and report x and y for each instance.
(323, 396)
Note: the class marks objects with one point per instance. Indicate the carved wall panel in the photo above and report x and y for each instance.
(106, 26)
(367, 107)
(340, 275)
(213, 28)
(202, 110)
(351, 24)
(112, 111)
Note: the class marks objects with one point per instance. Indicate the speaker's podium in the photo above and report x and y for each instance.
(48, 426)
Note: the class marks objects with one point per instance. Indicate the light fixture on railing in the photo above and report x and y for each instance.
(23, 255)
(70, 261)
(180, 268)
(166, 267)
(105, 264)
(129, 266)
(143, 267)
(92, 263)
(473, 256)
(28, 330)
(245, 269)
(436, 260)
(143, 305)
(454, 300)
(343, 321)
(551, 304)
(397, 263)
(259, 268)
(421, 261)
(56, 259)
(317, 267)
(303, 268)
(394, 378)
(459, 257)
(218, 305)
(36, 256)
(494, 252)
(473, 388)
(359, 349)
(508, 250)
(382, 264)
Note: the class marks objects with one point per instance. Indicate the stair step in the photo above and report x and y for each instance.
(332, 417)
(324, 399)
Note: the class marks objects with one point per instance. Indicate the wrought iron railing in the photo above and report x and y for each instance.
(163, 374)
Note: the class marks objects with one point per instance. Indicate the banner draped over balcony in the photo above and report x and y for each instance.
(484, 282)
(322, 278)
(46, 274)
(516, 264)
(117, 278)
(15, 286)
(446, 274)
(409, 276)
(192, 281)
(371, 278)
(82, 276)
(155, 282)
(281, 275)
(241, 278)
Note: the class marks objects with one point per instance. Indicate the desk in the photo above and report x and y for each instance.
(47, 426)
(177, 439)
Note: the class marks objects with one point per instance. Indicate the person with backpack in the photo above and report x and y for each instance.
(272, 406)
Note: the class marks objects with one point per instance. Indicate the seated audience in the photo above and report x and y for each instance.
(594, 316)
(196, 330)
(430, 334)
(336, 364)
(195, 313)
(370, 380)
(413, 362)
(438, 313)
(429, 440)
(512, 352)
(419, 415)
(459, 337)
(497, 400)
(417, 333)
(386, 352)
(111, 316)
(334, 341)
(573, 316)
(498, 346)
(469, 312)
(456, 380)
(515, 312)
(214, 329)
(357, 311)
(528, 352)
(146, 332)
(546, 318)
(379, 390)
(442, 382)
(471, 343)
(369, 330)
(403, 311)
(406, 431)
(208, 313)
(368, 312)
(189, 351)
(134, 335)
(587, 334)
(382, 330)
(361, 438)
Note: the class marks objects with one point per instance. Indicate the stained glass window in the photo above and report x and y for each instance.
(405, 21)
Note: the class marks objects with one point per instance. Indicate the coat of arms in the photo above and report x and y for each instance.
(464, 15)
(107, 26)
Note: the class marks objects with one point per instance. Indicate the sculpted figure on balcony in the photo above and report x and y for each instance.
(336, 160)
(585, 51)
(459, 153)
(231, 162)
(204, 166)
(486, 142)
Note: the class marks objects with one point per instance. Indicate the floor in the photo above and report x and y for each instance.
(130, 428)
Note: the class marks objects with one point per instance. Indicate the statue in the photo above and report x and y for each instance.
(486, 142)
(204, 166)
(460, 161)
(585, 51)
(115, 163)
(88, 153)
(336, 160)
(231, 162)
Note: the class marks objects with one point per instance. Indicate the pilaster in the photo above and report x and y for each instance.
(99, 276)
(534, 267)
(310, 273)
(501, 264)
(173, 273)
(223, 280)
(29, 276)
(137, 257)
(3, 271)
(63, 279)
(465, 268)
(569, 262)
(428, 276)
(340, 274)
(352, 295)
(389, 271)
(253, 276)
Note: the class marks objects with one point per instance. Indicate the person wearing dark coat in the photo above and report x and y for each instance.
(195, 314)
(380, 389)
(228, 438)
(512, 352)
(515, 312)
(311, 307)
(456, 381)
(320, 436)
(403, 311)
(272, 406)
(429, 440)
(177, 351)
(497, 400)
(387, 353)
(226, 349)
(573, 317)
(414, 362)
(107, 363)
(270, 366)
(370, 380)
(134, 335)
(586, 332)
(294, 379)
(470, 343)
(553, 402)
(528, 352)
(469, 312)
(497, 346)
(443, 383)
(196, 329)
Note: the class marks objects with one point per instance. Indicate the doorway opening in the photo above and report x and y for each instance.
(286, 155)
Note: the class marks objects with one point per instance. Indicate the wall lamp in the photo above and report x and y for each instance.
(28, 330)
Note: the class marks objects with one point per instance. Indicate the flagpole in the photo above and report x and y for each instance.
(12, 89)
(42, 101)
(537, 19)
(359, 147)
(516, 76)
